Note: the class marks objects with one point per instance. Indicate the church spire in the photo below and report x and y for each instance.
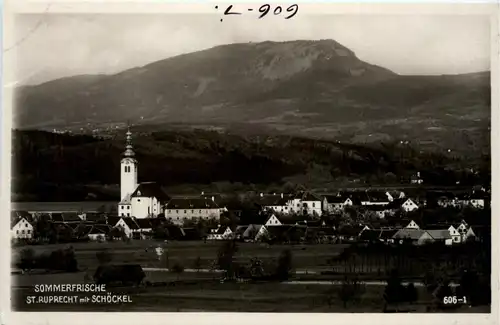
(129, 152)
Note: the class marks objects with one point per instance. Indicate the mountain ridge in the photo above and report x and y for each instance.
(306, 88)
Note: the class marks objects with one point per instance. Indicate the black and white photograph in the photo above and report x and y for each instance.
(253, 158)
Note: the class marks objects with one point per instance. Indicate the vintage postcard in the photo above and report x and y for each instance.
(326, 160)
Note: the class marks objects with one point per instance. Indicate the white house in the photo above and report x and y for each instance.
(179, 209)
(273, 221)
(311, 205)
(137, 200)
(126, 225)
(412, 225)
(333, 203)
(455, 235)
(375, 198)
(409, 205)
(21, 229)
(220, 233)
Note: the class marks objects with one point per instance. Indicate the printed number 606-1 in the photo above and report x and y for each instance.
(453, 300)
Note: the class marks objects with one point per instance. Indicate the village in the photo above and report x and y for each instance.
(145, 211)
(301, 217)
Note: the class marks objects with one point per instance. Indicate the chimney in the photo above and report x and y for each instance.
(213, 198)
(202, 192)
(261, 195)
(281, 195)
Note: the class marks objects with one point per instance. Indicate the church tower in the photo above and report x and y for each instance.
(128, 169)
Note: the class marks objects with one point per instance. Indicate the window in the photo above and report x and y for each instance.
(121, 207)
(128, 214)
(314, 204)
(17, 232)
(298, 205)
(128, 207)
(22, 231)
(192, 211)
(28, 231)
(199, 211)
(185, 211)
(176, 211)
(139, 200)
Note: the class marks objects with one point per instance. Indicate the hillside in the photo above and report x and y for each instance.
(58, 167)
(305, 88)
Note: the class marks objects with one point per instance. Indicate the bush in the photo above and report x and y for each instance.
(284, 265)
(61, 260)
(351, 290)
(27, 259)
(104, 256)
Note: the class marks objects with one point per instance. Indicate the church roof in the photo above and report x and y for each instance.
(150, 189)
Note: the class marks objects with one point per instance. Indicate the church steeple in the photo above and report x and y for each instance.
(129, 149)
(128, 174)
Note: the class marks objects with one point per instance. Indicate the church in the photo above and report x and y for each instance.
(142, 200)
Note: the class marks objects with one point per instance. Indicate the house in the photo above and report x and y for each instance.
(92, 232)
(221, 233)
(334, 203)
(412, 225)
(381, 211)
(180, 209)
(447, 199)
(373, 197)
(416, 179)
(311, 204)
(441, 235)
(413, 236)
(98, 232)
(351, 233)
(387, 235)
(409, 205)
(469, 235)
(255, 232)
(455, 235)
(127, 225)
(279, 203)
(370, 236)
(21, 228)
(139, 200)
(273, 221)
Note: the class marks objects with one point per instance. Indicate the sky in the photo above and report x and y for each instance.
(51, 46)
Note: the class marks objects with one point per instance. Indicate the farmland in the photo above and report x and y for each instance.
(194, 290)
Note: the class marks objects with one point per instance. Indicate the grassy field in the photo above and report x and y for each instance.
(202, 291)
(312, 257)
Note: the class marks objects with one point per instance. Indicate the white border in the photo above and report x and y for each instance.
(113, 6)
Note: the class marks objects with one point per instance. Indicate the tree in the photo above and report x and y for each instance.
(104, 256)
(394, 291)
(351, 290)
(284, 265)
(411, 294)
(27, 259)
(197, 264)
(177, 269)
(225, 257)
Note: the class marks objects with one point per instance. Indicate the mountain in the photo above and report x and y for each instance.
(306, 88)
